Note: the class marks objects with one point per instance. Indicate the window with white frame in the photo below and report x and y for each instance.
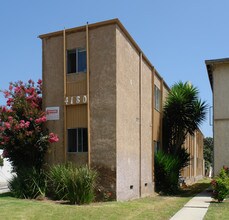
(157, 98)
(76, 60)
(77, 140)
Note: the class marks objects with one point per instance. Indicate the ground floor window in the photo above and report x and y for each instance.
(156, 146)
(77, 140)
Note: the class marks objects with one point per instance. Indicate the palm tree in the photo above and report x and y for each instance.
(183, 113)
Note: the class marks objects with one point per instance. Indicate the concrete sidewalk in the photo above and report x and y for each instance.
(196, 208)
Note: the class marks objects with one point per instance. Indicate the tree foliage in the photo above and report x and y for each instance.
(208, 151)
(23, 137)
(183, 113)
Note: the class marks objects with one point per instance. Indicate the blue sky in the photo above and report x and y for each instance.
(177, 36)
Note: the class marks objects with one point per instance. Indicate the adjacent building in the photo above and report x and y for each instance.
(104, 99)
(218, 72)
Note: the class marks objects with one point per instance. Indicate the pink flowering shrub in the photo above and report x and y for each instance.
(23, 137)
(220, 184)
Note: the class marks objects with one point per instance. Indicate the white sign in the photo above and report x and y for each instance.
(75, 100)
(52, 113)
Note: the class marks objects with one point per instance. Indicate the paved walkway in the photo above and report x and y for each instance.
(196, 208)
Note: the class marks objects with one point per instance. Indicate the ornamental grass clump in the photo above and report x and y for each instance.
(28, 184)
(75, 184)
(220, 185)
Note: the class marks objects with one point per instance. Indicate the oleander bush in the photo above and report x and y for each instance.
(220, 185)
(75, 184)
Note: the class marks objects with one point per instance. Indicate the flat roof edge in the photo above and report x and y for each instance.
(103, 23)
(216, 61)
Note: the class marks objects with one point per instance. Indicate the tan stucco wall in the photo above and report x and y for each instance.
(53, 88)
(147, 150)
(221, 116)
(221, 148)
(127, 119)
(221, 89)
(102, 43)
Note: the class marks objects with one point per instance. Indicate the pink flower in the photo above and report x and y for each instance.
(9, 101)
(7, 125)
(17, 89)
(22, 124)
(10, 118)
(40, 120)
(27, 124)
(53, 138)
(39, 81)
(10, 87)
(4, 109)
(6, 93)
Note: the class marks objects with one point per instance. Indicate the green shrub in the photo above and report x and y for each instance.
(166, 175)
(220, 185)
(167, 169)
(74, 184)
(28, 183)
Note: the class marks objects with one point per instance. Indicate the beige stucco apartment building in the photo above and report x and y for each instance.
(104, 99)
(218, 72)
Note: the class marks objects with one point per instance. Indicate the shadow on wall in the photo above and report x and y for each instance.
(5, 170)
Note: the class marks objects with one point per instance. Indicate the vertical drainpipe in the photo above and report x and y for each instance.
(140, 123)
(161, 112)
(88, 97)
(152, 147)
(65, 93)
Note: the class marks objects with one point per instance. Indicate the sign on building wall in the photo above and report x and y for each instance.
(52, 113)
(75, 100)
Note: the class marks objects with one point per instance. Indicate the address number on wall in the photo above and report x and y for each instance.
(75, 100)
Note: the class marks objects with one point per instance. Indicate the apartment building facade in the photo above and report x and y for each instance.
(218, 72)
(104, 99)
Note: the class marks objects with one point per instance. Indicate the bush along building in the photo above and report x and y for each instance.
(104, 99)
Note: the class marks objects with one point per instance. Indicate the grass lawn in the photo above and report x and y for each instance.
(156, 207)
(218, 210)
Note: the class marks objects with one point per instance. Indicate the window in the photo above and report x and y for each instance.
(77, 140)
(156, 146)
(77, 60)
(157, 98)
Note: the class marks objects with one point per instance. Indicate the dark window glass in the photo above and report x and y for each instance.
(85, 140)
(71, 57)
(80, 140)
(82, 61)
(72, 144)
(77, 140)
(157, 98)
(76, 61)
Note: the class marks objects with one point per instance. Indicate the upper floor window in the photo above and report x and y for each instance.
(77, 140)
(157, 98)
(76, 60)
